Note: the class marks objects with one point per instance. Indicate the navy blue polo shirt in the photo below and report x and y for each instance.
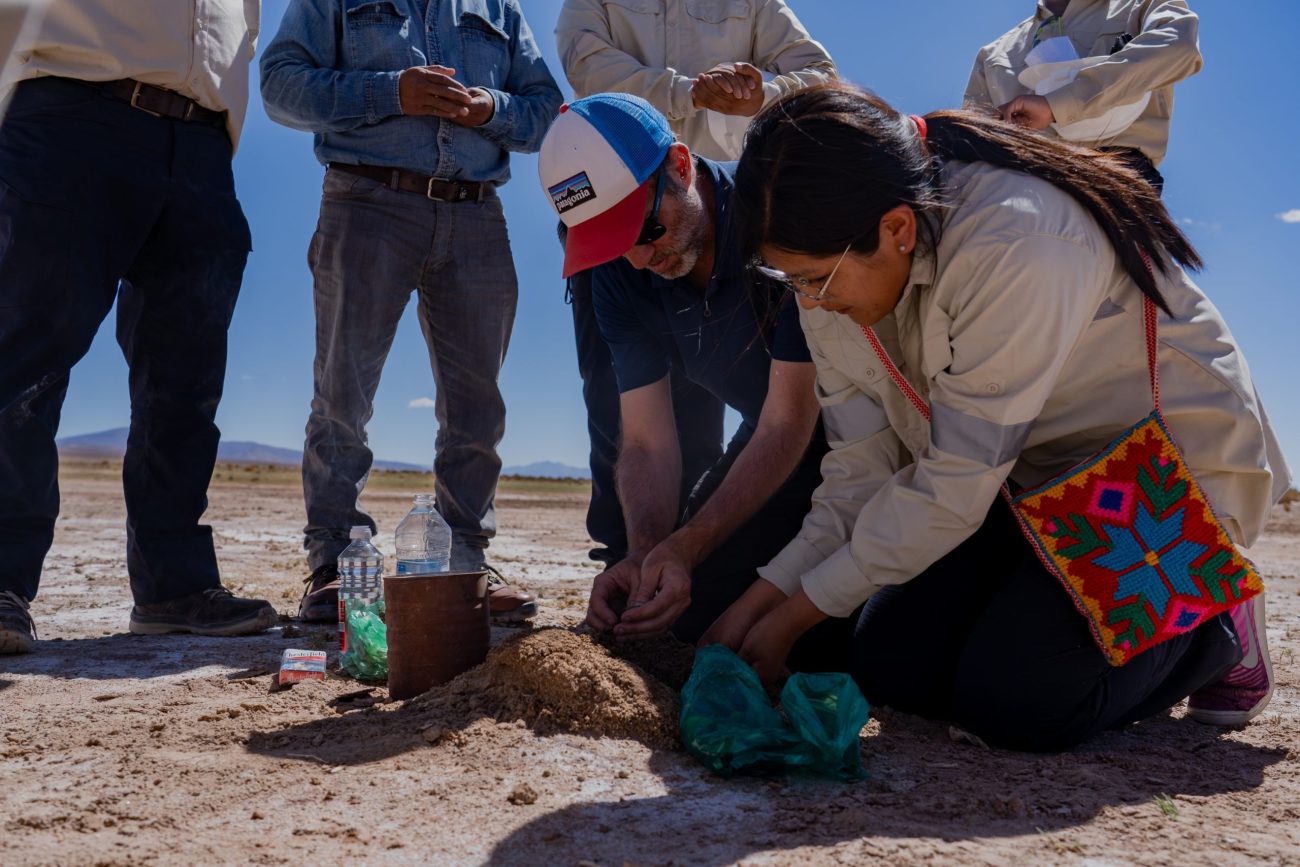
(720, 339)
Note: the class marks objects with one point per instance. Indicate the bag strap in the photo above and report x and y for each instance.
(1149, 327)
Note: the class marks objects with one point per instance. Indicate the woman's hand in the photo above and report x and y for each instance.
(731, 628)
(768, 643)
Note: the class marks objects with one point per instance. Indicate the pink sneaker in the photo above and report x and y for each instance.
(1244, 693)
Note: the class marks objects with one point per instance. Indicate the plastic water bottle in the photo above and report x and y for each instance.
(423, 540)
(361, 570)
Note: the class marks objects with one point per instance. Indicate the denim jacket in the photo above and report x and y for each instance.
(333, 67)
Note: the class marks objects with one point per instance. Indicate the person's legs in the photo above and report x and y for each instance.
(174, 312)
(988, 638)
(1031, 677)
(907, 642)
(79, 188)
(468, 293)
(365, 257)
(600, 395)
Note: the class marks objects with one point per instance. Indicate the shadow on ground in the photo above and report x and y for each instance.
(922, 784)
(125, 656)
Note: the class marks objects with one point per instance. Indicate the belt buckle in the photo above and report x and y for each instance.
(135, 96)
(461, 192)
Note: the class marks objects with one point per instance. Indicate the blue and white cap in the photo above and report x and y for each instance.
(596, 164)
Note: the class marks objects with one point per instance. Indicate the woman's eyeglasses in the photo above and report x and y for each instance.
(652, 230)
(799, 285)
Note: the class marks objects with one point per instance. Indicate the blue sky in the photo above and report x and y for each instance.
(1229, 182)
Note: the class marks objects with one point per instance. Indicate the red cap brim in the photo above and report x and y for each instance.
(606, 237)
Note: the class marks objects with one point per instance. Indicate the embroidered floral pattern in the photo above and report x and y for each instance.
(1134, 540)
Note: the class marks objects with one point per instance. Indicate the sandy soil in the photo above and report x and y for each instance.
(118, 749)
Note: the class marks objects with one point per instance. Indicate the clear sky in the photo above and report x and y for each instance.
(1232, 181)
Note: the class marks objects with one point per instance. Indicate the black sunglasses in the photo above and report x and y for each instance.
(652, 230)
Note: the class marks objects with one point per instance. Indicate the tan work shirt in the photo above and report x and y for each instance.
(1163, 51)
(199, 48)
(655, 48)
(1024, 334)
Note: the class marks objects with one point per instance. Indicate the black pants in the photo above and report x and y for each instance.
(100, 201)
(697, 411)
(987, 638)
(729, 571)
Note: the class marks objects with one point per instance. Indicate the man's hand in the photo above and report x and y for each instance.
(661, 593)
(735, 623)
(432, 91)
(729, 88)
(610, 592)
(1030, 111)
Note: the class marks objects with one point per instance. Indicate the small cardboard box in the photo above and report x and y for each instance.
(296, 665)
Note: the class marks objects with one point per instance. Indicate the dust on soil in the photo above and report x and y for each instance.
(119, 749)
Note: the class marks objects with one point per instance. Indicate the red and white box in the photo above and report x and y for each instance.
(296, 665)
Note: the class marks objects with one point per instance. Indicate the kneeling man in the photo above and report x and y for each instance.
(671, 294)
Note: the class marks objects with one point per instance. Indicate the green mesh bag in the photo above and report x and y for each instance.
(728, 723)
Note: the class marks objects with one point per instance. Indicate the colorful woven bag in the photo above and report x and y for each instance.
(1128, 532)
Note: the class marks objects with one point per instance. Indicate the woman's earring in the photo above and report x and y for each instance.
(902, 248)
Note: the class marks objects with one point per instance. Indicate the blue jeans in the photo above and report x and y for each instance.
(100, 201)
(373, 247)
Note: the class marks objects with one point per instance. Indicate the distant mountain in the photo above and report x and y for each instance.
(548, 470)
(112, 444)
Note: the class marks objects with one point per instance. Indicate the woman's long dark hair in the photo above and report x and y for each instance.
(822, 166)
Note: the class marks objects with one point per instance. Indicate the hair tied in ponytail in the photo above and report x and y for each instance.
(921, 128)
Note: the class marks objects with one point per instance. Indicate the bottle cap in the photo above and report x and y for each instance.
(361, 532)
(424, 498)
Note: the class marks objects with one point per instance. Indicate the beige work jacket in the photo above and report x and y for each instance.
(198, 48)
(1164, 50)
(1024, 334)
(655, 48)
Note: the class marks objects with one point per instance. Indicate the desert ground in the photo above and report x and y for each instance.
(119, 749)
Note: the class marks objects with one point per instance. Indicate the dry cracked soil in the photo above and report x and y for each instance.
(120, 749)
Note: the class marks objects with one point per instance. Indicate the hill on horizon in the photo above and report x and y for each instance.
(112, 444)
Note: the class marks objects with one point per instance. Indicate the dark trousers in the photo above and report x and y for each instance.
(99, 201)
(729, 571)
(1140, 163)
(986, 637)
(697, 411)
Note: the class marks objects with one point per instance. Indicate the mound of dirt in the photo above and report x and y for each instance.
(662, 657)
(561, 680)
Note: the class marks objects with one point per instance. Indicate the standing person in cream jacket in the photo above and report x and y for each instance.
(698, 61)
(1004, 275)
(1148, 46)
(708, 66)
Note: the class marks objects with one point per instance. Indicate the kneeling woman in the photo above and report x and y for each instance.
(1001, 278)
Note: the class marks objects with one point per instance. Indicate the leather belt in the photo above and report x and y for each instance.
(438, 189)
(159, 101)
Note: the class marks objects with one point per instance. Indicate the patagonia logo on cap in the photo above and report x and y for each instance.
(571, 192)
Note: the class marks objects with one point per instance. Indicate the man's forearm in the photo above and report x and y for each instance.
(761, 468)
(649, 486)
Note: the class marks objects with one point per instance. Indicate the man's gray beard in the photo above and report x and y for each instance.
(690, 254)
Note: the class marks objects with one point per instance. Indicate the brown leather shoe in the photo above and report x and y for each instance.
(507, 603)
(320, 600)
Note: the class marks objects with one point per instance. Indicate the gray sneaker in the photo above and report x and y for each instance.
(16, 630)
(215, 611)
